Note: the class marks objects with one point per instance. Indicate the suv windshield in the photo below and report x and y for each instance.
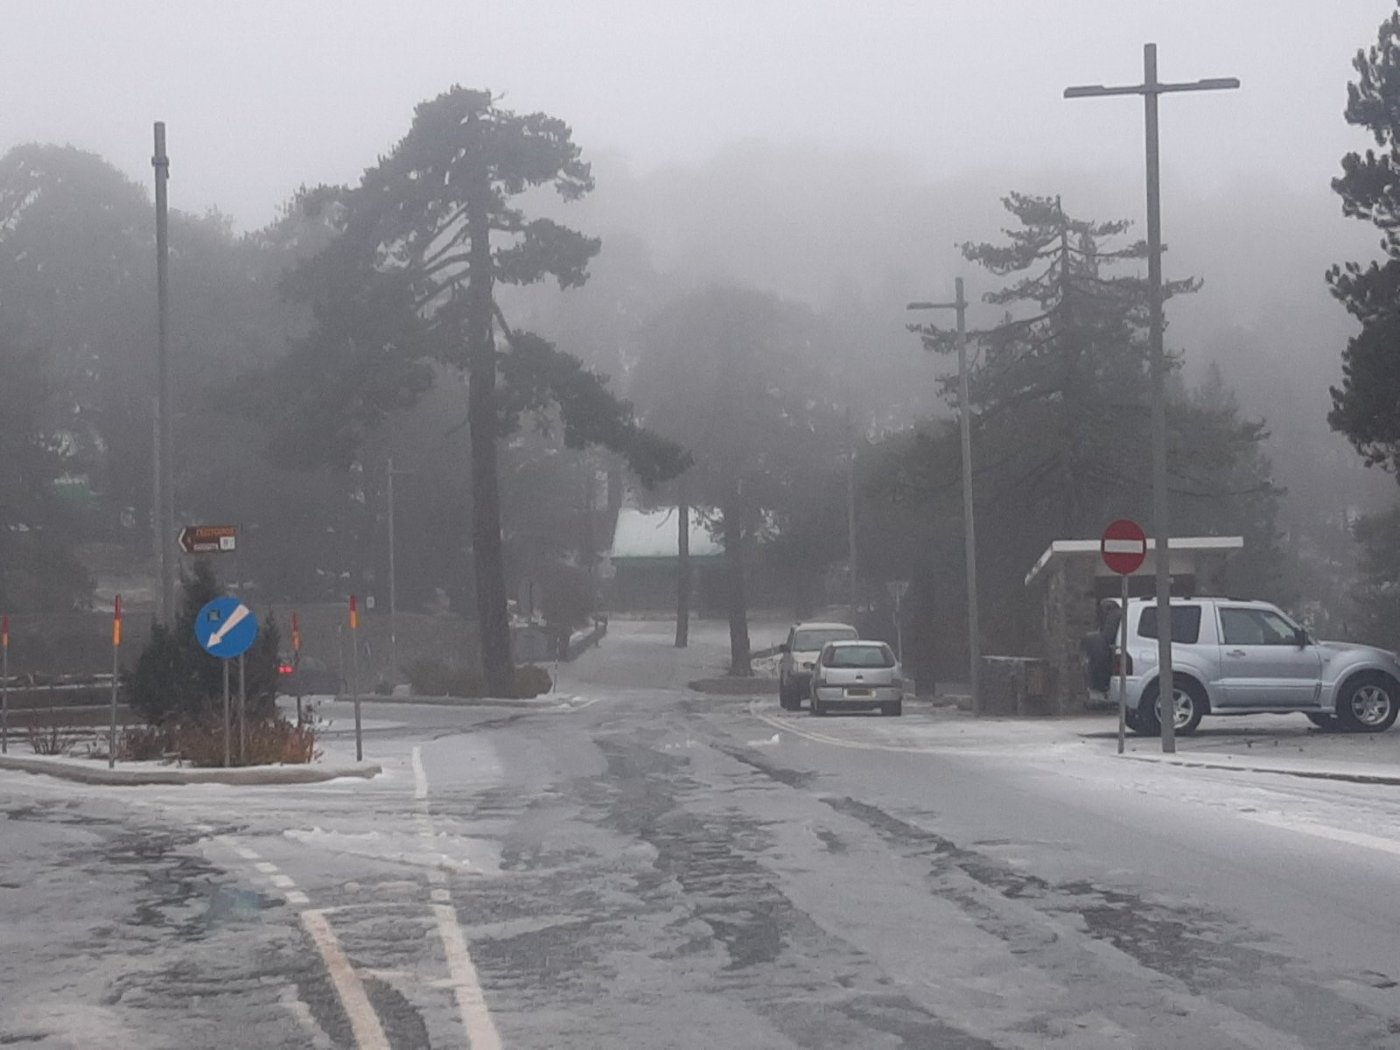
(809, 641)
(873, 655)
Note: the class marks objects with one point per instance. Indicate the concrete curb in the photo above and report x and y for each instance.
(546, 700)
(754, 686)
(1308, 774)
(246, 775)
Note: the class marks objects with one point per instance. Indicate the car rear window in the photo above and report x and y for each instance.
(811, 640)
(1186, 623)
(873, 655)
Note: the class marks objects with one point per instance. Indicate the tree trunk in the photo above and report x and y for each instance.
(739, 663)
(682, 569)
(492, 621)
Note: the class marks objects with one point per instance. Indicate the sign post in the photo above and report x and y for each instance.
(226, 628)
(355, 674)
(4, 683)
(116, 680)
(1123, 549)
(296, 661)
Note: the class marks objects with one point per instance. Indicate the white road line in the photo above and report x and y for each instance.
(476, 1018)
(1322, 831)
(297, 897)
(465, 982)
(420, 776)
(364, 1022)
(246, 853)
(266, 867)
(283, 882)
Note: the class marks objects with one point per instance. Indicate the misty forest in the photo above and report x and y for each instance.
(537, 339)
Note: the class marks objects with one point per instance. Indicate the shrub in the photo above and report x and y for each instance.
(146, 743)
(275, 741)
(176, 680)
(532, 680)
(433, 677)
(52, 738)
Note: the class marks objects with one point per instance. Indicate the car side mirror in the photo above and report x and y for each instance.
(784, 648)
(1300, 637)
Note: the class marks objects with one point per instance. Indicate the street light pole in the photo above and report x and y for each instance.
(164, 517)
(1150, 89)
(974, 645)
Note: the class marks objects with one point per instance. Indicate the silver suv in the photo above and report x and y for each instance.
(804, 642)
(1232, 657)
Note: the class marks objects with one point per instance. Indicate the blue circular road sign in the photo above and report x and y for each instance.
(226, 628)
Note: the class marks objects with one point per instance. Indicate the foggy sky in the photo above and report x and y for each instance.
(265, 95)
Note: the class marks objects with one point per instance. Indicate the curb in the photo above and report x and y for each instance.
(247, 775)
(545, 700)
(1307, 774)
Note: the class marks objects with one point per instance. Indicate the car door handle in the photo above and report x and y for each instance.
(1236, 652)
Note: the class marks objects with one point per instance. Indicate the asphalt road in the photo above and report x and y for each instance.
(643, 866)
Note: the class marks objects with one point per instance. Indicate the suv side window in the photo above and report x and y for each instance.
(1254, 627)
(1186, 623)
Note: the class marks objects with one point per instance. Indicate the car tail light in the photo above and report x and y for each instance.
(285, 668)
(1119, 659)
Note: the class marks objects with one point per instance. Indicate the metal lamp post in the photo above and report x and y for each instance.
(1150, 88)
(974, 646)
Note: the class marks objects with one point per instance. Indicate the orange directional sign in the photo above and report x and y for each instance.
(209, 539)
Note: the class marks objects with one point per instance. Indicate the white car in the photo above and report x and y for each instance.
(857, 676)
(804, 643)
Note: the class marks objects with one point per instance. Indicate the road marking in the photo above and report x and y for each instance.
(420, 776)
(364, 1022)
(266, 867)
(1322, 831)
(246, 853)
(297, 897)
(283, 882)
(476, 1018)
(465, 981)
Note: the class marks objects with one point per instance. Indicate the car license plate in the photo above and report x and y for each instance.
(857, 692)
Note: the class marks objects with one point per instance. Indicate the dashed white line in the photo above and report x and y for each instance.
(266, 867)
(283, 882)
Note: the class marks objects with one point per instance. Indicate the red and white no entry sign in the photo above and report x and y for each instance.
(1124, 546)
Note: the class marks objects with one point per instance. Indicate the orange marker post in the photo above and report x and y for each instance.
(355, 674)
(296, 662)
(116, 679)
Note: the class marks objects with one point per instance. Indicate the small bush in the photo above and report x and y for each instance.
(272, 742)
(532, 680)
(432, 677)
(53, 739)
(145, 743)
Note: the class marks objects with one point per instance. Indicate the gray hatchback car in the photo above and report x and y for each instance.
(857, 676)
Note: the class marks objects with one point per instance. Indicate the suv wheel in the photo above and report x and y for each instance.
(1190, 708)
(1368, 703)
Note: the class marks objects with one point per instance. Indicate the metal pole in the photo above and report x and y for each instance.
(974, 645)
(228, 733)
(165, 511)
(1166, 691)
(5, 684)
(393, 584)
(1123, 667)
(242, 711)
(1149, 89)
(355, 691)
(112, 727)
(851, 509)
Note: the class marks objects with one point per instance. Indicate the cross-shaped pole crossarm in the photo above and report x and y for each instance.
(1099, 90)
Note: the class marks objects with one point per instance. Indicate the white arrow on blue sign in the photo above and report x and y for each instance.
(226, 628)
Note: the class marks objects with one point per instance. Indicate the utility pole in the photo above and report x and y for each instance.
(851, 511)
(974, 644)
(164, 517)
(393, 576)
(1150, 89)
(682, 565)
